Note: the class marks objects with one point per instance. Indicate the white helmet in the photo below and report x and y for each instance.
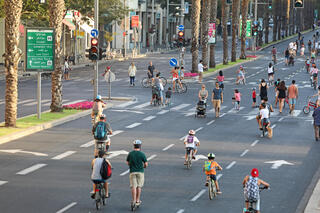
(192, 132)
(137, 142)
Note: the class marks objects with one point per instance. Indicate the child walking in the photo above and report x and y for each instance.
(168, 96)
(237, 97)
(254, 98)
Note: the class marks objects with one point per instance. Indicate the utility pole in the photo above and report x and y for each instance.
(167, 25)
(182, 12)
(255, 19)
(125, 32)
(96, 65)
(152, 24)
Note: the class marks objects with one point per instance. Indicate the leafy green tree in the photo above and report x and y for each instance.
(1, 8)
(34, 14)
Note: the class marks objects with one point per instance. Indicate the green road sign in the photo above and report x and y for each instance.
(40, 49)
(248, 29)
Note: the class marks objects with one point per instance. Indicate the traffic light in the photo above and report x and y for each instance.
(181, 37)
(94, 50)
(102, 53)
(270, 4)
(255, 29)
(298, 3)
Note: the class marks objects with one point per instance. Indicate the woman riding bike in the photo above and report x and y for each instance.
(97, 108)
(241, 76)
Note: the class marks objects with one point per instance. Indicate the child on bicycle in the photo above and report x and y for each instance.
(191, 142)
(210, 170)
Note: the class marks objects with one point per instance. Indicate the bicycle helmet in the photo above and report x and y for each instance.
(192, 132)
(255, 172)
(102, 116)
(137, 142)
(98, 97)
(211, 155)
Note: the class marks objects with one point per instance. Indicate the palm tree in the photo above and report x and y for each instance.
(56, 11)
(213, 17)
(224, 15)
(204, 29)
(12, 10)
(195, 17)
(235, 23)
(244, 14)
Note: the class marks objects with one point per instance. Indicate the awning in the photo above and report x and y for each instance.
(69, 24)
(86, 28)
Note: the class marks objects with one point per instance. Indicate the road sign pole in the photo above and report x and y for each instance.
(109, 80)
(96, 65)
(39, 95)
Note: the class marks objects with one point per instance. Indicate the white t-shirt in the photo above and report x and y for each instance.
(270, 69)
(200, 67)
(291, 45)
(264, 113)
(191, 141)
(314, 70)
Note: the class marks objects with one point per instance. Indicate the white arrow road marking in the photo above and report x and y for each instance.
(149, 118)
(133, 125)
(63, 155)
(167, 147)
(31, 169)
(162, 112)
(231, 165)
(116, 153)
(125, 110)
(2, 182)
(13, 151)
(180, 211)
(277, 163)
(67, 207)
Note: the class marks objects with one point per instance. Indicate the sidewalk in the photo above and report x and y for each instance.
(313, 205)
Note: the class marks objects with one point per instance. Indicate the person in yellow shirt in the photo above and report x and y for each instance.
(210, 170)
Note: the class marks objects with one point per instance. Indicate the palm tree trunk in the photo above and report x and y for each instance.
(224, 15)
(244, 14)
(56, 11)
(195, 17)
(206, 4)
(266, 24)
(275, 22)
(213, 17)
(12, 9)
(235, 24)
(288, 17)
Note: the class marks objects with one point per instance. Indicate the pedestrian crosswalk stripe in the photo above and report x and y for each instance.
(162, 112)
(254, 111)
(233, 110)
(133, 125)
(142, 105)
(181, 106)
(296, 113)
(126, 104)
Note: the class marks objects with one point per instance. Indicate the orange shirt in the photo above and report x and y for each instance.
(213, 168)
(292, 91)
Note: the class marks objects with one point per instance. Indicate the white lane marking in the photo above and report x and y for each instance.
(198, 195)
(162, 112)
(250, 117)
(149, 118)
(90, 143)
(71, 102)
(67, 207)
(223, 114)
(189, 114)
(254, 111)
(273, 126)
(197, 130)
(296, 113)
(31, 169)
(114, 133)
(25, 101)
(151, 157)
(280, 119)
(244, 152)
(133, 125)
(142, 105)
(219, 176)
(125, 110)
(35, 102)
(231, 164)
(210, 122)
(126, 104)
(63, 155)
(124, 173)
(180, 211)
(233, 110)
(2, 182)
(183, 137)
(222, 108)
(167, 147)
(255, 142)
(181, 106)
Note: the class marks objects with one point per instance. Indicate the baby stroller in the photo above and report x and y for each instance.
(291, 60)
(201, 109)
(156, 96)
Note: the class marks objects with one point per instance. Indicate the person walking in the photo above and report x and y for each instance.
(237, 98)
(254, 98)
(137, 161)
(263, 89)
(66, 70)
(217, 99)
(132, 73)
(282, 95)
(292, 95)
(151, 68)
(200, 70)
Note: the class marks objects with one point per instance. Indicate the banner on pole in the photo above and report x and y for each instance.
(212, 33)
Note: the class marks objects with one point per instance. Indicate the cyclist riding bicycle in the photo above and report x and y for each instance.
(307, 62)
(191, 142)
(241, 75)
(274, 54)
(264, 117)
(251, 185)
(100, 131)
(175, 77)
(314, 72)
(96, 176)
(97, 108)
(151, 68)
(210, 170)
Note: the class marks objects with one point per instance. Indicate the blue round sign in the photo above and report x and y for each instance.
(173, 62)
(181, 27)
(94, 32)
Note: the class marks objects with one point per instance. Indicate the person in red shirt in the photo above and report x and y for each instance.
(254, 98)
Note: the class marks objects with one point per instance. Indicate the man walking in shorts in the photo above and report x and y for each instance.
(292, 95)
(217, 99)
(137, 161)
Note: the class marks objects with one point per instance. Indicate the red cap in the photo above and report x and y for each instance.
(108, 67)
(254, 172)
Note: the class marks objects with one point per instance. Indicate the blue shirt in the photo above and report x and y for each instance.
(316, 116)
(217, 94)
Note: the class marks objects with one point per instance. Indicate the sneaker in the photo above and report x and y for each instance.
(261, 136)
(193, 157)
(206, 184)
(317, 139)
(93, 195)
(219, 192)
(185, 162)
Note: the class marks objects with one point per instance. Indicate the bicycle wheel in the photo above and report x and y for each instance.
(184, 87)
(189, 162)
(145, 82)
(315, 85)
(210, 190)
(164, 81)
(103, 196)
(306, 109)
(97, 198)
(214, 189)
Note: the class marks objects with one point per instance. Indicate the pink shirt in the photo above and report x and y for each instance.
(237, 96)
(220, 78)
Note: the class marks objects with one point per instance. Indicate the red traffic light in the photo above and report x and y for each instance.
(94, 42)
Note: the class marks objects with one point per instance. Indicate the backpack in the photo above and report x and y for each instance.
(207, 166)
(190, 139)
(252, 189)
(95, 107)
(100, 131)
(105, 170)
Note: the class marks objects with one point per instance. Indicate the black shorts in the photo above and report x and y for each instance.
(213, 177)
(98, 181)
(254, 100)
(315, 75)
(270, 74)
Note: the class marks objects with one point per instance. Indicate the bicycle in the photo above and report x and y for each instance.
(100, 196)
(189, 158)
(212, 189)
(306, 109)
(181, 88)
(251, 208)
(146, 82)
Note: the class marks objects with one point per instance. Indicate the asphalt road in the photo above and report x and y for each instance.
(63, 182)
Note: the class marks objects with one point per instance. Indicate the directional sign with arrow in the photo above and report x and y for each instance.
(14, 151)
(277, 163)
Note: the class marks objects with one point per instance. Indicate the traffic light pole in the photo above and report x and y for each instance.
(96, 65)
(255, 21)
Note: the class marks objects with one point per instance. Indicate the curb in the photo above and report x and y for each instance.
(313, 205)
(40, 127)
(118, 98)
